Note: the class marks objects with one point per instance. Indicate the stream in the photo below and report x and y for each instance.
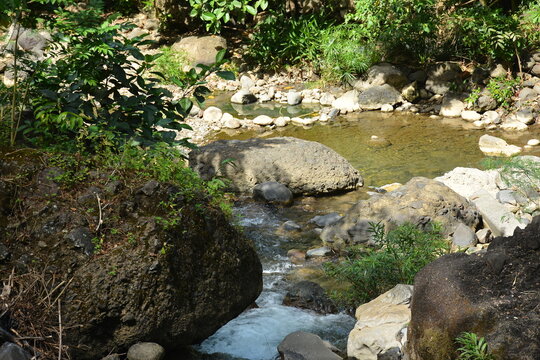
(412, 145)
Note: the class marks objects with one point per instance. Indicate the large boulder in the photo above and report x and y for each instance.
(309, 295)
(442, 76)
(419, 201)
(164, 265)
(375, 97)
(381, 326)
(493, 294)
(201, 49)
(385, 73)
(305, 167)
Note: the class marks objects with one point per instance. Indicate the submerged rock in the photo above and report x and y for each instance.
(494, 295)
(301, 345)
(305, 167)
(309, 295)
(273, 192)
(494, 146)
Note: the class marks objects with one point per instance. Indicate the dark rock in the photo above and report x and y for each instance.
(89, 198)
(4, 253)
(111, 357)
(146, 351)
(485, 103)
(150, 188)
(82, 239)
(273, 192)
(46, 181)
(479, 76)
(419, 201)
(114, 187)
(305, 167)
(11, 351)
(420, 76)
(325, 220)
(301, 345)
(494, 295)
(309, 295)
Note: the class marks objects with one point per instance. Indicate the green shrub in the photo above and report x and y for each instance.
(345, 52)
(472, 347)
(529, 24)
(216, 13)
(280, 39)
(399, 255)
(171, 64)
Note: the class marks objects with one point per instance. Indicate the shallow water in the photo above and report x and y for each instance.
(417, 145)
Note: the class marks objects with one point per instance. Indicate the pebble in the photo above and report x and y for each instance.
(533, 142)
(263, 120)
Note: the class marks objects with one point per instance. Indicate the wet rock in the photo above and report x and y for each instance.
(291, 226)
(82, 239)
(281, 121)
(301, 345)
(324, 220)
(378, 332)
(243, 97)
(418, 202)
(11, 351)
(375, 97)
(494, 146)
(305, 167)
(464, 237)
(309, 295)
(200, 49)
(449, 300)
(319, 252)
(146, 351)
(273, 192)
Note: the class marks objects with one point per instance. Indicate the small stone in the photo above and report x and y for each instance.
(243, 97)
(303, 121)
(484, 235)
(296, 256)
(387, 108)
(498, 71)
(291, 226)
(325, 220)
(514, 125)
(195, 110)
(82, 239)
(273, 192)
(282, 121)
(479, 124)
(146, 351)
(327, 99)
(506, 197)
(491, 117)
(527, 94)
(319, 252)
(533, 142)
(469, 115)
(494, 146)
(263, 120)
(294, 98)
(324, 118)
(464, 237)
(536, 70)
(232, 124)
(212, 114)
(246, 83)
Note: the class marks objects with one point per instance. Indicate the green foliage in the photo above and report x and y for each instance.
(502, 89)
(529, 23)
(472, 347)
(74, 169)
(216, 13)
(171, 64)
(283, 40)
(485, 33)
(399, 255)
(345, 52)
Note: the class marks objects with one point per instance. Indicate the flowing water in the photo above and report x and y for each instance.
(408, 146)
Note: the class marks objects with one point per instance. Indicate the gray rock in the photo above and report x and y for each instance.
(464, 237)
(494, 146)
(527, 94)
(305, 167)
(410, 92)
(491, 117)
(507, 197)
(513, 125)
(111, 357)
(81, 238)
(4, 253)
(281, 121)
(500, 221)
(376, 96)
(467, 181)
(417, 202)
(212, 114)
(469, 115)
(452, 105)
(243, 97)
(311, 296)
(441, 76)
(273, 192)
(324, 220)
(525, 116)
(146, 351)
(11, 351)
(291, 226)
(246, 83)
(305, 346)
(498, 71)
(347, 102)
(327, 99)
(384, 73)
(485, 103)
(294, 98)
(536, 70)
(319, 252)
(232, 123)
(200, 49)
(263, 120)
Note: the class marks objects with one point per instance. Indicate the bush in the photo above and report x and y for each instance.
(399, 255)
(171, 64)
(472, 347)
